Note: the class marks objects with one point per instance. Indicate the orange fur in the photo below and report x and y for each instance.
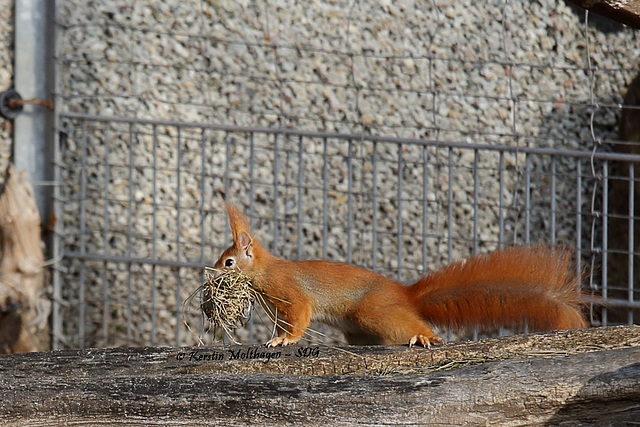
(237, 221)
(532, 284)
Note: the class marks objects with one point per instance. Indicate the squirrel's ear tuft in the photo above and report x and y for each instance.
(238, 222)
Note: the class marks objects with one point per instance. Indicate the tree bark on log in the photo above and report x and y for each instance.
(595, 381)
(23, 312)
(623, 11)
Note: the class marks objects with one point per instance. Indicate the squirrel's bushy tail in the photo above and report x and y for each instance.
(536, 285)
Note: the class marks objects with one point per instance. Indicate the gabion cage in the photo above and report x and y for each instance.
(395, 137)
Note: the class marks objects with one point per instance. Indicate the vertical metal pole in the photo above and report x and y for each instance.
(425, 206)
(325, 197)
(203, 179)
(476, 179)
(605, 233)
(203, 235)
(276, 171)
(178, 232)
(300, 195)
(33, 78)
(56, 316)
(33, 136)
(374, 201)
(105, 235)
(553, 200)
(203, 197)
(252, 195)
(400, 167)
(83, 238)
(527, 200)
(154, 238)
(252, 180)
(475, 216)
(501, 331)
(450, 210)
(579, 218)
(450, 218)
(227, 185)
(56, 243)
(631, 237)
(130, 241)
(350, 204)
(501, 200)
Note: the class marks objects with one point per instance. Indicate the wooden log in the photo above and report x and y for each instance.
(545, 383)
(623, 11)
(23, 311)
(314, 359)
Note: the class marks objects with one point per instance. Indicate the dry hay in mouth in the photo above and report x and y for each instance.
(227, 297)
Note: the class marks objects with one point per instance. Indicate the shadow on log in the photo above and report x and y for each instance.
(588, 375)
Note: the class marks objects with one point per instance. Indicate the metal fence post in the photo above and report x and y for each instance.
(33, 77)
(33, 143)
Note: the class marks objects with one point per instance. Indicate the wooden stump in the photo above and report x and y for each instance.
(23, 313)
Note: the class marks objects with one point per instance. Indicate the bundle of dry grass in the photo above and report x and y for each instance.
(227, 297)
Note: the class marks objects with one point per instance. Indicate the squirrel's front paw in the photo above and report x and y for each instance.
(424, 340)
(274, 342)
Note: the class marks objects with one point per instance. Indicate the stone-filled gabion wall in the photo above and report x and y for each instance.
(516, 74)
(6, 75)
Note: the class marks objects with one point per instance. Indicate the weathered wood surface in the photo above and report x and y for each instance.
(547, 382)
(23, 311)
(314, 359)
(624, 11)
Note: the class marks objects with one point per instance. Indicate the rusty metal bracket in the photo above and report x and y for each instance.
(11, 104)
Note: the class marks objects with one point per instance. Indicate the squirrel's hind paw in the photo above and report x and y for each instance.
(424, 340)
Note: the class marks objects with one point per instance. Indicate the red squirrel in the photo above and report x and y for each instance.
(532, 284)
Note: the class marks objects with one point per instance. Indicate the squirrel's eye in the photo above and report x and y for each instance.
(228, 262)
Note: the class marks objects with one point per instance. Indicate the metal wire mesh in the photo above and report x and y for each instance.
(398, 152)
